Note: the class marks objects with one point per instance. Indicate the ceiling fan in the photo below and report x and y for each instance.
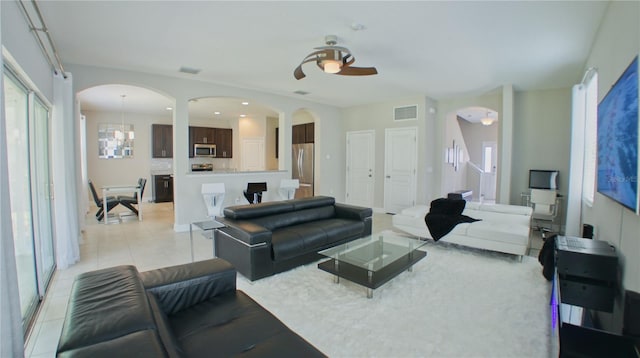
(334, 59)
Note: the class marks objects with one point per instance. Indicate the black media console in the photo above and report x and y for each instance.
(587, 313)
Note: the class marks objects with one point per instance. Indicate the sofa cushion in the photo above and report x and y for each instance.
(312, 202)
(292, 241)
(257, 210)
(274, 222)
(233, 324)
(104, 305)
(180, 286)
(502, 232)
(142, 344)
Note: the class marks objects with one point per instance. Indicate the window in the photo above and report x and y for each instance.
(590, 140)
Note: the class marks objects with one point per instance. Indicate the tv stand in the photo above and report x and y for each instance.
(588, 321)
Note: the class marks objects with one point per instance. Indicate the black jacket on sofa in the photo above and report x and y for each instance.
(191, 310)
(263, 239)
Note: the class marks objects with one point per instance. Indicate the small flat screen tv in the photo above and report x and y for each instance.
(618, 140)
(543, 179)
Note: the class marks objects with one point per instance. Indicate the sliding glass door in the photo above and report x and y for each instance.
(17, 114)
(27, 122)
(42, 194)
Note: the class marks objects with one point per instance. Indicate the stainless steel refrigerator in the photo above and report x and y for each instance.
(302, 168)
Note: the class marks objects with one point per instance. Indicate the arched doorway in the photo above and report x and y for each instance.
(117, 125)
(472, 139)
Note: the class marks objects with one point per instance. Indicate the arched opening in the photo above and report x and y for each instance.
(118, 138)
(471, 154)
(229, 134)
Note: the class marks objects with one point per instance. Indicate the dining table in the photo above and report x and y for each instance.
(108, 190)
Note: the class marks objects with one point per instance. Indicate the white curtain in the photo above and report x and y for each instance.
(64, 173)
(11, 339)
(576, 167)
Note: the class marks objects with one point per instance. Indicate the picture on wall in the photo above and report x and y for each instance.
(618, 140)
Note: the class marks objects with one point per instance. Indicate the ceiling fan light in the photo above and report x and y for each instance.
(331, 66)
(486, 121)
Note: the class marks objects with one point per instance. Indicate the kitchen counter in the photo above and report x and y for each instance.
(231, 171)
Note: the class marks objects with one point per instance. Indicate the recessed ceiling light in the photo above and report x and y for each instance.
(243, 115)
(216, 112)
(245, 103)
(169, 108)
(357, 26)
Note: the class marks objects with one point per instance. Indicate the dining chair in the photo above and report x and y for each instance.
(129, 201)
(112, 202)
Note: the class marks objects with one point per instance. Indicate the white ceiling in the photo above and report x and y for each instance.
(438, 49)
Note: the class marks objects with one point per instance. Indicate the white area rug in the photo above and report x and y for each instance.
(457, 302)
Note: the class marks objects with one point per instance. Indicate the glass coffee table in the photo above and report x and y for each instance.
(373, 260)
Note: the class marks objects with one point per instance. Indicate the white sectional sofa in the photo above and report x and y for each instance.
(503, 228)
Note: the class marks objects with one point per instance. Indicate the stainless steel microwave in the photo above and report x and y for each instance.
(204, 150)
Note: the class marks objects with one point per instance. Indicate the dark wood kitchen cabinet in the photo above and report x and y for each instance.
(224, 142)
(162, 188)
(303, 133)
(200, 135)
(162, 139)
(221, 137)
(203, 135)
(309, 132)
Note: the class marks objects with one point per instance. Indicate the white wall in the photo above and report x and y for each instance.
(616, 44)
(329, 153)
(20, 42)
(542, 132)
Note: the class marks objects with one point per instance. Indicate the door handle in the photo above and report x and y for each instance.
(388, 177)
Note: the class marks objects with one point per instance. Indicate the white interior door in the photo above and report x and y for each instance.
(361, 168)
(490, 168)
(400, 163)
(252, 154)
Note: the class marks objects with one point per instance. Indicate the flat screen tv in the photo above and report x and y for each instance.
(543, 179)
(618, 140)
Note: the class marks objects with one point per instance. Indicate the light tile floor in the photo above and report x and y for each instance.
(147, 244)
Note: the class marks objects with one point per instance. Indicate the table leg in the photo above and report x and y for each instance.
(213, 242)
(190, 236)
(105, 217)
(139, 190)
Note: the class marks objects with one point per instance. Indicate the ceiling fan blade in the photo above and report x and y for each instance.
(348, 60)
(297, 73)
(357, 71)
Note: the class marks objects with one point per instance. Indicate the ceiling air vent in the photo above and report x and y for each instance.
(189, 70)
(405, 113)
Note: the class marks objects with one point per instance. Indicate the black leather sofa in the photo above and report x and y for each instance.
(263, 239)
(191, 310)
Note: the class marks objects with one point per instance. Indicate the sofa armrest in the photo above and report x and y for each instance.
(182, 286)
(353, 212)
(245, 231)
